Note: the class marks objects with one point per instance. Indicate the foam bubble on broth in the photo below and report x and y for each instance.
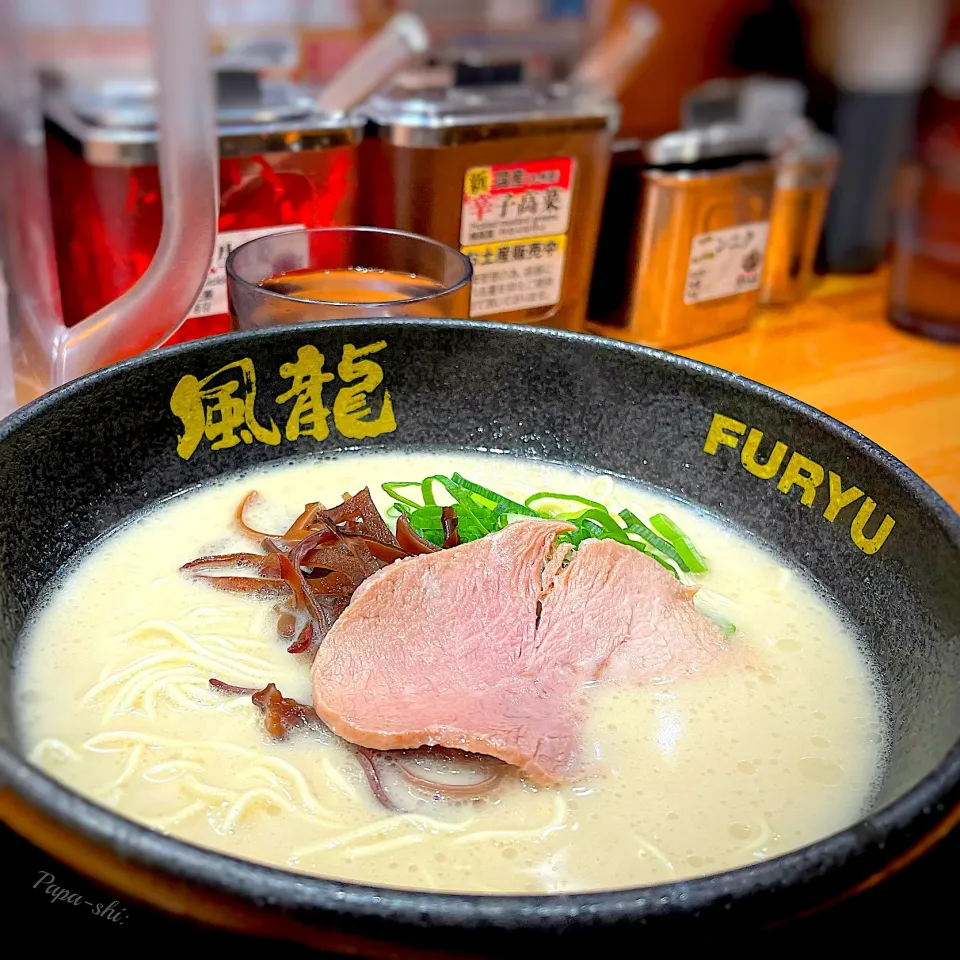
(691, 777)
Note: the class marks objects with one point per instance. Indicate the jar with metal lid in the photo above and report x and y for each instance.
(806, 168)
(512, 174)
(282, 166)
(700, 238)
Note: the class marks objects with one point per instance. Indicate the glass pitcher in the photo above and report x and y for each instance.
(40, 351)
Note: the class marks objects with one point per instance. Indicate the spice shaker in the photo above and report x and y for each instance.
(283, 165)
(511, 173)
(806, 168)
(700, 240)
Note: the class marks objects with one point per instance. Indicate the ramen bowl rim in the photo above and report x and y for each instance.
(286, 890)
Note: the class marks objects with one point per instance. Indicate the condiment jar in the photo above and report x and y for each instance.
(282, 166)
(700, 239)
(512, 174)
(806, 168)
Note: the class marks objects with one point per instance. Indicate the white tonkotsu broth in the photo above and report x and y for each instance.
(691, 777)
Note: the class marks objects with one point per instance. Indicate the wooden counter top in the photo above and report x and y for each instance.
(837, 352)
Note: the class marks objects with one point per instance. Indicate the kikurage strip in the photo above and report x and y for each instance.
(315, 567)
(282, 714)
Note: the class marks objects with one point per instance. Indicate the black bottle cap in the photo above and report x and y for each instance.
(484, 74)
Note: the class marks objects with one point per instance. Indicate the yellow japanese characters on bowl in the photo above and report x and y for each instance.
(222, 407)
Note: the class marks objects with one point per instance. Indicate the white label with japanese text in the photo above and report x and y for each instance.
(513, 227)
(510, 201)
(212, 299)
(725, 262)
(516, 274)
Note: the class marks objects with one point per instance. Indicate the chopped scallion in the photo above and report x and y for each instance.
(564, 498)
(481, 511)
(496, 501)
(666, 549)
(392, 487)
(681, 542)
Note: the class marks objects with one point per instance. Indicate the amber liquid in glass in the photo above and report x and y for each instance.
(352, 285)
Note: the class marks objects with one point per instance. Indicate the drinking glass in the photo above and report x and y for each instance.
(340, 273)
(925, 272)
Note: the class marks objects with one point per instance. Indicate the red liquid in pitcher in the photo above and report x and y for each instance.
(107, 219)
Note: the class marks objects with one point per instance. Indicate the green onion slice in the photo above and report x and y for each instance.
(481, 510)
(681, 542)
(391, 490)
(565, 498)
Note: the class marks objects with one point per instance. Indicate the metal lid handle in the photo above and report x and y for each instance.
(608, 65)
(402, 38)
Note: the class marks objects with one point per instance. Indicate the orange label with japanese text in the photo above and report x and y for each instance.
(513, 201)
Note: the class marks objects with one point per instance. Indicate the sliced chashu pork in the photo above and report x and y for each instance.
(486, 647)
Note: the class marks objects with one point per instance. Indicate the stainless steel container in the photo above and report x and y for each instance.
(510, 173)
(701, 238)
(806, 171)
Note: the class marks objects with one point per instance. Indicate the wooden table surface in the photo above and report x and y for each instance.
(837, 352)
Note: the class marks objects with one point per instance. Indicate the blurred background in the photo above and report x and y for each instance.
(824, 135)
(310, 40)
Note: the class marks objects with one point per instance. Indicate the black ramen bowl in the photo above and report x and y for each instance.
(77, 462)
